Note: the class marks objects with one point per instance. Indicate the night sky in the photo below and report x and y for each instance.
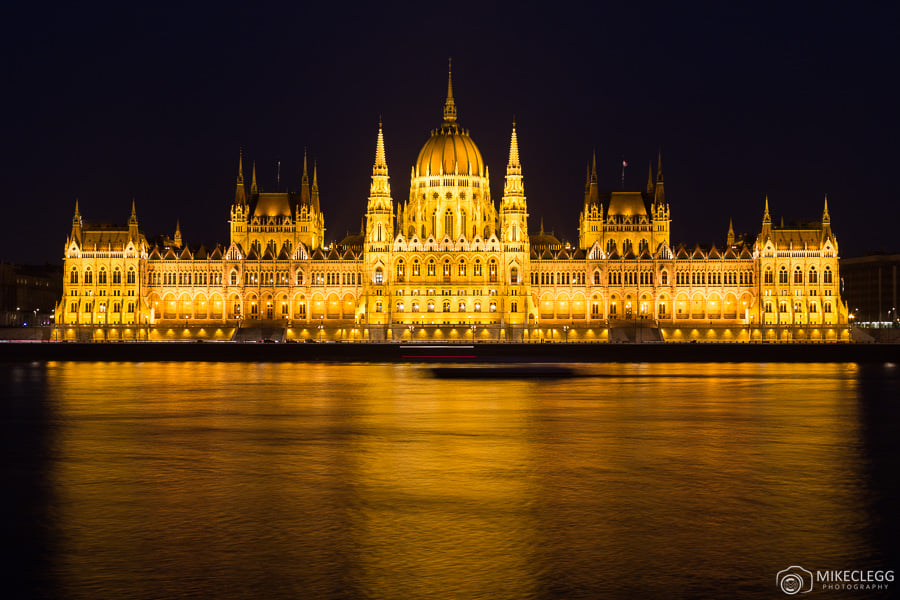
(110, 103)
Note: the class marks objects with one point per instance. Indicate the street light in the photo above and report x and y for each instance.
(566, 330)
(321, 327)
(473, 334)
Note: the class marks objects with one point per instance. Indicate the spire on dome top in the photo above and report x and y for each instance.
(767, 219)
(826, 218)
(449, 104)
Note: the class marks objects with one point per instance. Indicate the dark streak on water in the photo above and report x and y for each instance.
(158, 480)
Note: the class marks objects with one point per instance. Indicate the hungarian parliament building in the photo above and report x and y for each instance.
(449, 264)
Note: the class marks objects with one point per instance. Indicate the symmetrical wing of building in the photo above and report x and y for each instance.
(448, 263)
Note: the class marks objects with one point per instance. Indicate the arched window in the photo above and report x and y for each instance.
(596, 277)
(131, 275)
(462, 268)
(446, 306)
(813, 275)
(401, 270)
(117, 276)
(448, 222)
(492, 270)
(769, 278)
(664, 278)
(462, 223)
(447, 268)
(431, 267)
(798, 275)
(379, 275)
(514, 275)
(88, 275)
(73, 276)
(828, 277)
(431, 306)
(462, 307)
(234, 277)
(782, 275)
(378, 233)
(415, 269)
(399, 307)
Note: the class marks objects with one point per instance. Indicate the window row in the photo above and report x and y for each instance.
(102, 278)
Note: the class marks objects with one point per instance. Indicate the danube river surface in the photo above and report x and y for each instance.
(248, 480)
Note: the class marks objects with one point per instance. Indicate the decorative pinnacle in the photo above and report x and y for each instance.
(766, 217)
(380, 160)
(240, 177)
(450, 104)
(253, 188)
(650, 178)
(514, 148)
(825, 217)
(594, 169)
(315, 183)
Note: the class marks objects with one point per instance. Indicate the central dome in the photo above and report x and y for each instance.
(448, 150)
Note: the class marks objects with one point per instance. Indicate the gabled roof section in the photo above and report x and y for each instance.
(284, 254)
(216, 253)
(185, 254)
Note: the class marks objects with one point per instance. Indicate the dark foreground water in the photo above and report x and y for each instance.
(162, 480)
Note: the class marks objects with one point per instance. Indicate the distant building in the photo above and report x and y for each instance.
(449, 264)
(28, 294)
(870, 287)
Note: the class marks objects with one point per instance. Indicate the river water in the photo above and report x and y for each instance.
(206, 480)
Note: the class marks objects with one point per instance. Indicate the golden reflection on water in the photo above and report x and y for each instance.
(318, 480)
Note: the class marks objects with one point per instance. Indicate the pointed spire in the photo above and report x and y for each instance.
(730, 239)
(380, 159)
(254, 190)
(449, 104)
(304, 183)
(594, 168)
(826, 218)
(650, 178)
(77, 214)
(176, 239)
(513, 150)
(132, 220)
(240, 193)
(315, 188)
(767, 219)
(659, 196)
(304, 179)
(542, 225)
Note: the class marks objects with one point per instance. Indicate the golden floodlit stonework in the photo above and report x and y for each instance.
(447, 264)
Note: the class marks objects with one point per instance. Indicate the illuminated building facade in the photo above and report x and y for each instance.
(449, 264)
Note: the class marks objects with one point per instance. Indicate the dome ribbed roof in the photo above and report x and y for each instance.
(450, 148)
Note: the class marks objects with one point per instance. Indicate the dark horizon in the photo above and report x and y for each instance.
(128, 102)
